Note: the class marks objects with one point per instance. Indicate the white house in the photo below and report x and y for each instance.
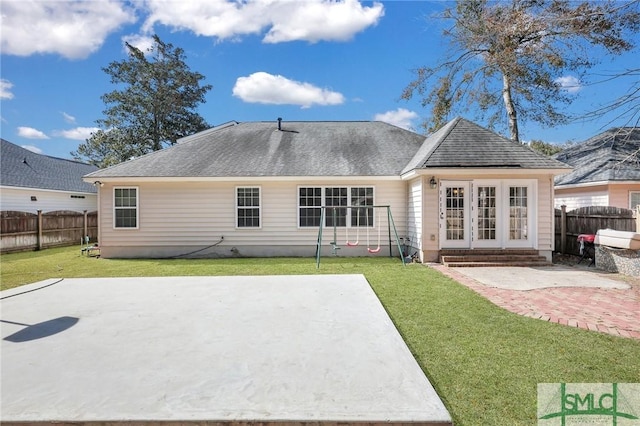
(30, 182)
(259, 188)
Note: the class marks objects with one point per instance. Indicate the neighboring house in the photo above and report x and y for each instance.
(30, 182)
(257, 188)
(606, 171)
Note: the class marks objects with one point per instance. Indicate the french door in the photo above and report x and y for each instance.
(487, 214)
(455, 230)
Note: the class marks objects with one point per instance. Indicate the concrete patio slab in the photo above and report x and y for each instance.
(531, 278)
(208, 349)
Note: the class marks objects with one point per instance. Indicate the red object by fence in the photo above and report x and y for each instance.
(586, 238)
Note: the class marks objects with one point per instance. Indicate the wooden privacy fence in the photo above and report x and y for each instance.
(20, 231)
(588, 220)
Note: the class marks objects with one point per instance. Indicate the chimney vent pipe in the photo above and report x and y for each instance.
(279, 123)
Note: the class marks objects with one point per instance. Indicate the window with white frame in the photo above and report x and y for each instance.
(309, 201)
(248, 207)
(125, 207)
(634, 199)
(336, 199)
(362, 197)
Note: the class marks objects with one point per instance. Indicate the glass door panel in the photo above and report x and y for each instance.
(486, 215)
(518, 213)
(454, 214)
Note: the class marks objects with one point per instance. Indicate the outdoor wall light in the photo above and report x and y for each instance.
(98, 183)
(433, 183)
(34, 198)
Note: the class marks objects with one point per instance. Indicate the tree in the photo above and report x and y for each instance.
(625, 107)
(153, 106)
(507, 57)
(545, 148)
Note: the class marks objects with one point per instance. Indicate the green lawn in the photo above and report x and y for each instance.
(485, 362)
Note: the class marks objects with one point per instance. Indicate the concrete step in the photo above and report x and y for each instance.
(493, 258)
(487, 252)
(496, 264)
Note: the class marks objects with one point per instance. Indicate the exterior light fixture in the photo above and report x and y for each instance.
(98, 183)
(433, 183)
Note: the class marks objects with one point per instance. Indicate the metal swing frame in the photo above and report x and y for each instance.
(391, 226)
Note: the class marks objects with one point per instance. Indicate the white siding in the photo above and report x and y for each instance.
(430, 220)
(611, 194)
(414, 215)
(192, 215)
(19, 199)
(545, 214)
(575, 201)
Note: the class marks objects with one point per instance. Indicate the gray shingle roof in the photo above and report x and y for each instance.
(462, 144)
(23, 168)
(613, 155)
(258, 149)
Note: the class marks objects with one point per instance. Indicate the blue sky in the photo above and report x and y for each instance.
(299, 60)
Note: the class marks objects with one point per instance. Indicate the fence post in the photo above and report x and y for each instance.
(563, 229)
(86, 224)
(39, 229)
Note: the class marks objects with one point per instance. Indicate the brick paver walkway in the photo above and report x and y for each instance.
(611, 311)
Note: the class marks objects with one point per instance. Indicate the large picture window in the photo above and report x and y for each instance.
(311, 199)
(248, 207)
(125, 210)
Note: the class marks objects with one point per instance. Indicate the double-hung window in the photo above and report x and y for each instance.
(248, 207)
(362, 197)
(337, 200)
(310, 200)
(125, 208)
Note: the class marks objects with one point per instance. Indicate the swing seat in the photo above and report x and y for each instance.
(373, 251)
(349, 244)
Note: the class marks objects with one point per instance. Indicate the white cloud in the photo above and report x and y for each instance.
(5, 89)
(264, 88)
(141, 42)
(31, 133)
(316, 21)
(286, 20)
(32, 148)
(73, 29)
(68, 117)
(569, 83)
(79, 133)
(401, 117)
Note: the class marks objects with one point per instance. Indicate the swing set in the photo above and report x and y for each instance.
(358, 224)
(357, 241)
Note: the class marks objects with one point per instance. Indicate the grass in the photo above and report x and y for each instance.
(484, 362)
